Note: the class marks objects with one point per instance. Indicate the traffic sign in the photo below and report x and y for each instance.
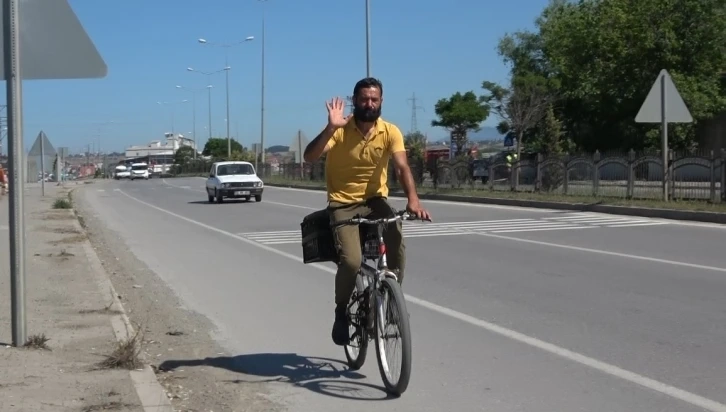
(51, 45)
(54, 44)
(664, 105)
(664, 98)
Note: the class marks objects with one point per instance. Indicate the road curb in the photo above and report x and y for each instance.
(696, 216)
(152, 395)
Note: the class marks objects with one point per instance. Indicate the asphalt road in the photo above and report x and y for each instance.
(511, 309)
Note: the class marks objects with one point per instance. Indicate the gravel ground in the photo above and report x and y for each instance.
(170, 330)
(65, 306)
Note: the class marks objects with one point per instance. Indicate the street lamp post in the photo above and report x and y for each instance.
(209, 88)
(172, 111)
(194, 113)
(262, 93)
(226, 70)
(209, 108)
(368, 39)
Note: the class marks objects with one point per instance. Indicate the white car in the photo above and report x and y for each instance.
(121, 172)
(233, 179)
(139, 171)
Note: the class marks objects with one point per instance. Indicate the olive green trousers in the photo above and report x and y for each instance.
(347, 242)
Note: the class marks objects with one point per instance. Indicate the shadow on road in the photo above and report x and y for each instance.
(321, 375)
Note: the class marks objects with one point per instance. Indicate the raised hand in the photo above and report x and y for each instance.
(336, 113)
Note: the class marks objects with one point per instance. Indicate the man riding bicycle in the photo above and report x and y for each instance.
(358, 148)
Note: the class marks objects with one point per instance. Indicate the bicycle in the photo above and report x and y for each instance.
(373, 283)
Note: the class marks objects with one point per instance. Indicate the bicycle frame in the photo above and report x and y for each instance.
(374, 285)
(369, 276)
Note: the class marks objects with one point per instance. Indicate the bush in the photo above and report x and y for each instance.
(61, 203)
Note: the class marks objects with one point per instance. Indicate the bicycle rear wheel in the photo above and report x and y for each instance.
(357, 349)
(391, 311)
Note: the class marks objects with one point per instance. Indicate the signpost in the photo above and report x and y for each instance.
(508, 141)
(51, 45)
(42, 148)
(664, 105)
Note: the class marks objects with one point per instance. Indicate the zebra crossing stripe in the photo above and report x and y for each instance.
(422, 229)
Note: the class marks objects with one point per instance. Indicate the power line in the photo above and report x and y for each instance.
(414, 109)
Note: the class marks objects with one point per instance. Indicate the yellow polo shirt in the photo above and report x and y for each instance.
(356, 168)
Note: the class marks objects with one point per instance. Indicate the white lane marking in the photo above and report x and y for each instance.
(474, 222)
(3, 227)
(566, 221)
(604, 252)
(445, 202)
(607, 368)
(636, 224)
(603, 367)
(542, 210)
(415, 229)
(543, 229)
(170, 186)
(609, 221)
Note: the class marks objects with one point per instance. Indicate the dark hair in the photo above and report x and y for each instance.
(366, 83)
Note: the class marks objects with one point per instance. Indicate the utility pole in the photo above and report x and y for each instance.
(16, 167)
(3, 122)
(262, 88)
(414, 109)
(368, 39)
(300, 153)
(226, 80)
(42, 164)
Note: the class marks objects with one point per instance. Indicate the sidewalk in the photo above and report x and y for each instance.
(69, 301)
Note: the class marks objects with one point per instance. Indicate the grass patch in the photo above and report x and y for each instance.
(126, 354)
(61, 203)
(37, 342)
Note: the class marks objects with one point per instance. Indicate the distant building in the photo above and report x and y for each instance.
(159, 156)
(169, 146)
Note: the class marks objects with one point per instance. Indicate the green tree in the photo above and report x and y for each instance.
(217, 147)
(243, 155)
(605, 55)
(183, 155)
(415, 143)
(552, 144)
(520, 107)
(460, 114)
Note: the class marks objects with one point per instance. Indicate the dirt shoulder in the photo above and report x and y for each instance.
(170, 331)
(68, 320)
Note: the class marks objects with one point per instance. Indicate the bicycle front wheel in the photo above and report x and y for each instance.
(392, 324)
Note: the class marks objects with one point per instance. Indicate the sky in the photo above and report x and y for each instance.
(314, 51)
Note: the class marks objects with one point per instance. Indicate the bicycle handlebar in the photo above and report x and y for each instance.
(404, 215)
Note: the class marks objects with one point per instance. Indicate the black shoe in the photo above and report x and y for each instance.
(341, 334)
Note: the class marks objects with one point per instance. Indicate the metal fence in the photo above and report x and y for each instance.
(695, 175)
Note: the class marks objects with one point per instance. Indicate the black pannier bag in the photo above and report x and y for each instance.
(317, 238)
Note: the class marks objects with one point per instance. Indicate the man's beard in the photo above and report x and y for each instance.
(366, 115)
